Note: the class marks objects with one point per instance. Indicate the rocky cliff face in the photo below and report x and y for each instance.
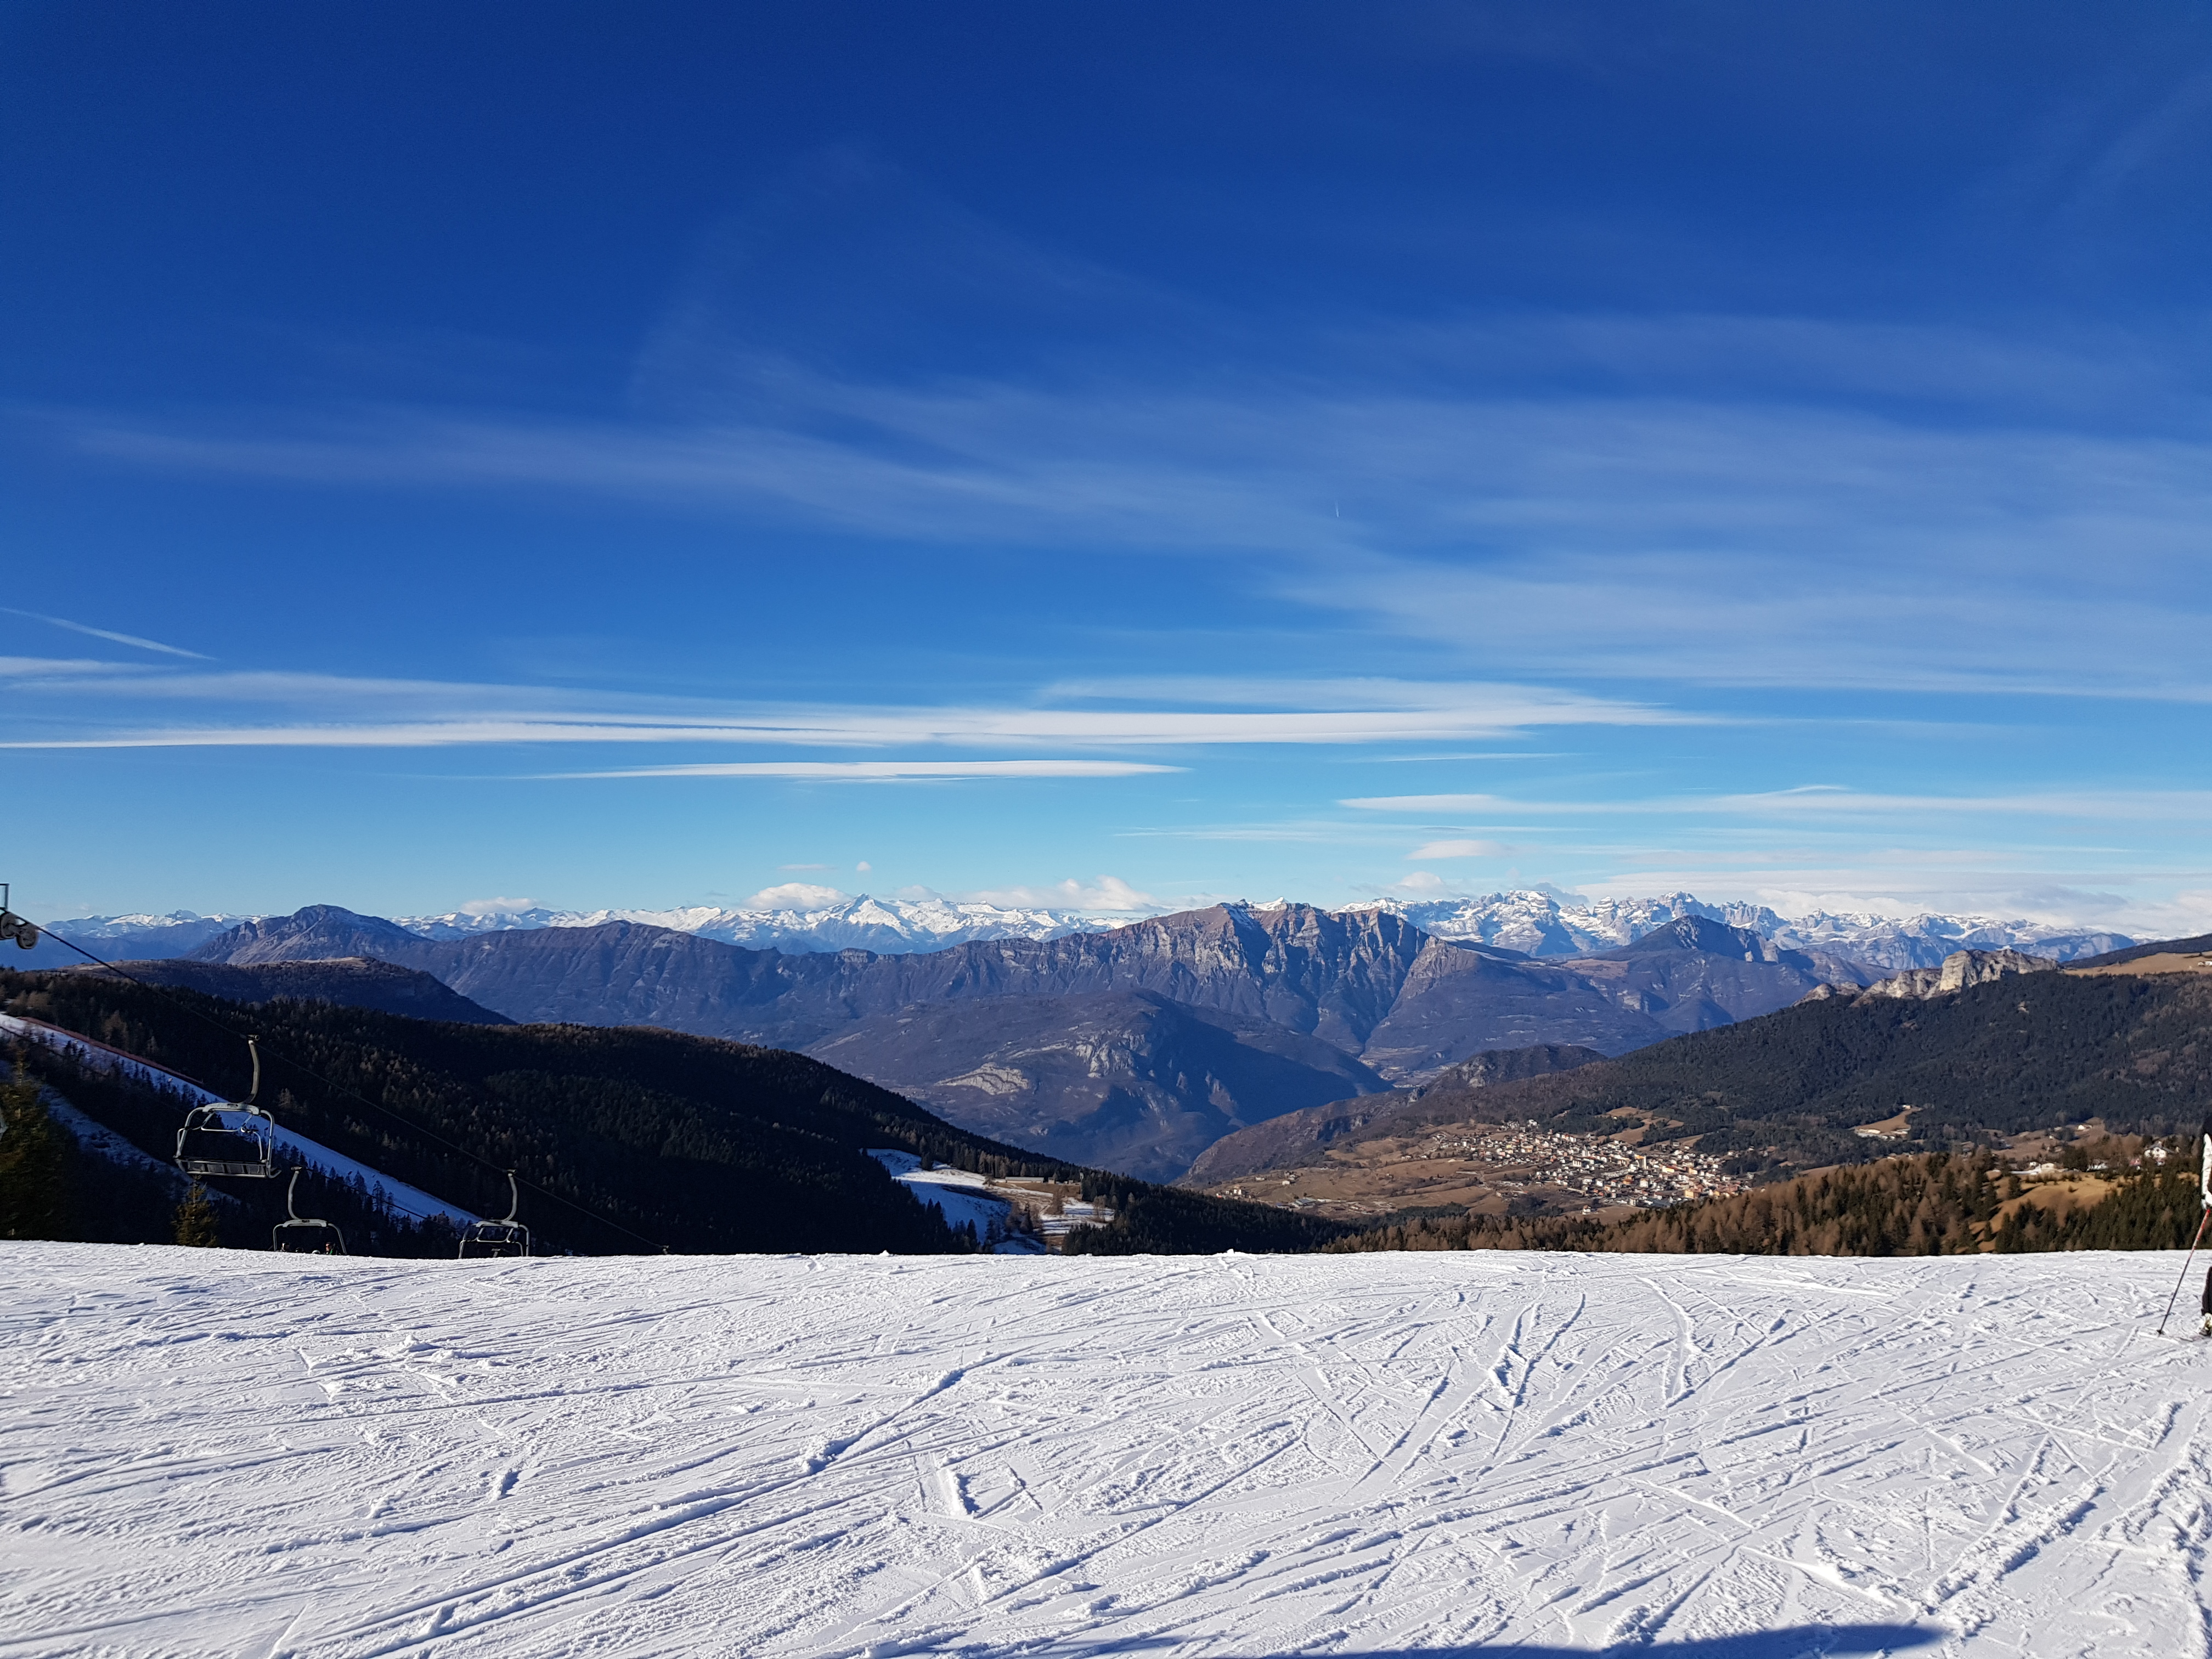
(1318, 973)
(1694, 974)
(1334, 976)
(1957, 970)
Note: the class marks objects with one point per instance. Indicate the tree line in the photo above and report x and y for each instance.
(1920, 1204)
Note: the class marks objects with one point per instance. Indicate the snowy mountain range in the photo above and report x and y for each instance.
(886, 926)
(1539, 924)
(1536, 922)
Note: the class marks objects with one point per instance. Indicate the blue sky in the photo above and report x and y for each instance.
(650, 454)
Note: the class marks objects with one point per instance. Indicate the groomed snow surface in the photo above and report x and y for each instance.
(1233, 1457)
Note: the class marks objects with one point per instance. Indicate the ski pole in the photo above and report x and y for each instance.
(2183, 1279)
(2204, 1197)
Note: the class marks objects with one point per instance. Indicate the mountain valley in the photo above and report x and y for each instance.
(1130, 1079)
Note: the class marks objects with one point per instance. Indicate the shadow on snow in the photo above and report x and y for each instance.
(1802, 1642)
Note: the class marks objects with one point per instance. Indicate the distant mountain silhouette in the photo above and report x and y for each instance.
(315, 933)
(350, 982)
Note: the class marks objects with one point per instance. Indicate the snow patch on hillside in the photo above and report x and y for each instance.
(233, 1452)
(958, 1195)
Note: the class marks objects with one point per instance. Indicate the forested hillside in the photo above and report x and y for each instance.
(692, 1143)
(1784, 1091)
(681, 1141)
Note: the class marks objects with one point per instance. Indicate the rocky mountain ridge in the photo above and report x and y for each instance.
(112, 938)
(1546, 922)
(1142, 1082)
(1957, 970)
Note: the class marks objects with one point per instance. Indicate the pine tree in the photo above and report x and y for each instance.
(196, 1221)
(37, 1167)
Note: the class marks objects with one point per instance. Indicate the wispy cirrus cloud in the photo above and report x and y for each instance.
(1818, 801)
(332, 712)
(76, 671)
(1713, 499)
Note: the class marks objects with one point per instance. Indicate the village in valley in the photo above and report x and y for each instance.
(1494, 1168)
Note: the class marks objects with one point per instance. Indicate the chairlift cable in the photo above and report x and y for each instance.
(360, 1099)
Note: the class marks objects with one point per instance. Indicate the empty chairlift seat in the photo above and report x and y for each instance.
(232, 1138)
(305, 1235)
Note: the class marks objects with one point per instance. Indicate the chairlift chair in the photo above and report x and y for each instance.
(305, 1234)
(211, 1143)
(504, 1237)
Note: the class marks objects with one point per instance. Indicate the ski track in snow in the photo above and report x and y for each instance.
(1234, 1456)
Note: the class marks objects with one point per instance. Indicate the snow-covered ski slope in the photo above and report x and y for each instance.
(1237, 1457)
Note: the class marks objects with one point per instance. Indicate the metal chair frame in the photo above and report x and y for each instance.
(209, 1144)
(306, 1226)
(506, 1236)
